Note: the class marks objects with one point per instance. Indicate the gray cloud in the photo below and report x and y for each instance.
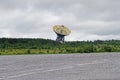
(88, 19)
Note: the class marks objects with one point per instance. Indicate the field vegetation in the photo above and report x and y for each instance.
(14, 46)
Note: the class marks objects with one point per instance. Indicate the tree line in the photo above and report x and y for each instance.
(47, 46)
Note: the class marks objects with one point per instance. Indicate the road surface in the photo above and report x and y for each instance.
(102, 66)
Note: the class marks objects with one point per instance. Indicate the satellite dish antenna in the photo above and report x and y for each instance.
(61, 32)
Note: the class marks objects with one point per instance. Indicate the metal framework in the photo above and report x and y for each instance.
(60, 38)
(61, 32)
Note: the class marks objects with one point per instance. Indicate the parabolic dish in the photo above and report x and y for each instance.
(61, 29)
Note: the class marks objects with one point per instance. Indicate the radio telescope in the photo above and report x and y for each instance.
(61, 32)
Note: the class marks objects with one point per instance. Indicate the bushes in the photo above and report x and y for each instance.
(43, 46)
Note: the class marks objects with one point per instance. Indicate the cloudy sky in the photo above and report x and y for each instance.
(87, 19)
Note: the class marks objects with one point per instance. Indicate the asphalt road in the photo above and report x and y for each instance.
(102, 66)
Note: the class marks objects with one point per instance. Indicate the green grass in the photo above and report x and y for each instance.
(29, 51)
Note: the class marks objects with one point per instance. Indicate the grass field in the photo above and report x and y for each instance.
(29, 51)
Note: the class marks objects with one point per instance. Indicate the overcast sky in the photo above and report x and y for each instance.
(87, 19)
